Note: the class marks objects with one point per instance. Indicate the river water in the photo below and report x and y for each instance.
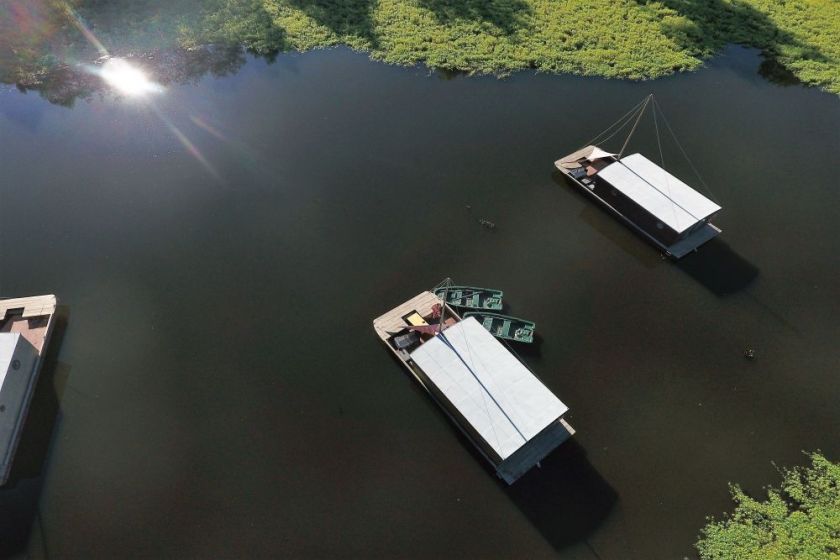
(220, 250)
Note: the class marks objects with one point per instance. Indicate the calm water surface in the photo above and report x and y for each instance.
(218, 389)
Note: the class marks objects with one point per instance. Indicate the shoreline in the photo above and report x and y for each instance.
(799, 41)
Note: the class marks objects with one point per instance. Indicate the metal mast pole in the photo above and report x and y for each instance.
(446, 284)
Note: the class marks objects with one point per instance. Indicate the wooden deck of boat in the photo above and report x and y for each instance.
(685, 246)
(570, 161)
(32, 306)
(392, 321)
(33, 323)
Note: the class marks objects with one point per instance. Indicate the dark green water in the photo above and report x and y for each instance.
(219, 391)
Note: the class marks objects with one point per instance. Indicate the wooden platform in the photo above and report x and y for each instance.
(32, 306)
(570, 161)
(392, 321)
(535, 451)
(685, 246)
(33, 322)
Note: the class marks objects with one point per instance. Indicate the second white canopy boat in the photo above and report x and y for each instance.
(669, 213)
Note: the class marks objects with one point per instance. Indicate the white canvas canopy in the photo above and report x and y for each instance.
(500, 398)
(598, 153)
(7, 349)
(18, 373)
(670, 200)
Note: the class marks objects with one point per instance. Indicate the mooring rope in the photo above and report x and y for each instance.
(631, 113)
(489, 394)
(684, 153)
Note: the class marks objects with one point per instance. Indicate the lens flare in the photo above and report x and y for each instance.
(127, 79)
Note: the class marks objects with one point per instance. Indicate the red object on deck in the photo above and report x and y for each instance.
(425, 329)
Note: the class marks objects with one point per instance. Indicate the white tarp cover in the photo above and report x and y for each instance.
(672, 202)
(488, 385)
(8, 343)
(598, 153)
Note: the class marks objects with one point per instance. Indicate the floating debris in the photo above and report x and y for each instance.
(749, 354)
(487, 223)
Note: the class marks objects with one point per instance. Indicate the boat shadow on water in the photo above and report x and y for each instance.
(531, 350)
(604, 222)
(714, 265)
(566, 498)
(20, 496)
(718, 268)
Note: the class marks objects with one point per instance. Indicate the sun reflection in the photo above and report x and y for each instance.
(127, 79)
(132, 81)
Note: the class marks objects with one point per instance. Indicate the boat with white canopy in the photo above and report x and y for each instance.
(511, 417)
(658, 205)
(25, 327)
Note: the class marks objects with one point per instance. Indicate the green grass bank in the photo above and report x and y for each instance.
(617, 39)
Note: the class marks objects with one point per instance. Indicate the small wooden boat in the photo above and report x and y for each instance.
(25, 327)
(471, 297)
(505, 326)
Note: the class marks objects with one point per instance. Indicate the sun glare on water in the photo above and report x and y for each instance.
(128, 79)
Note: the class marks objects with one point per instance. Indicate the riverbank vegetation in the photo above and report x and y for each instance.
(635, 39)
(621, 39)
(801, 519)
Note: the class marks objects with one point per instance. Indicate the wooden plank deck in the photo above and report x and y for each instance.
(692, 242)
(32, 306)
(570, 161)
(35, 322)
(392, 321)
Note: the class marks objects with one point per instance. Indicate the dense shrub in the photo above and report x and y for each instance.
(799, 521)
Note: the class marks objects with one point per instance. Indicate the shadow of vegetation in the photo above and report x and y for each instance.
(565, 499)
(774, 71)
(506, 15)
(343, 17)
(447, 74)
(713, 23)
(20, 496)
(718, 268)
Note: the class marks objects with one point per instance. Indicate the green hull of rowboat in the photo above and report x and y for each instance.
(505, 326)
(471, 297)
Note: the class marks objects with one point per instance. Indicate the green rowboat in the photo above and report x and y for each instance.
(505, 326)
(472, 297)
